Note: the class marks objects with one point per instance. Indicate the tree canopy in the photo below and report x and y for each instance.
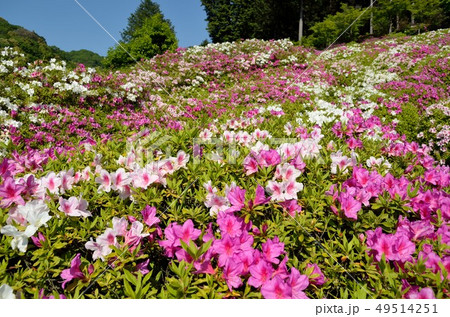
(153, 37)
(146, 9)
(230, 20)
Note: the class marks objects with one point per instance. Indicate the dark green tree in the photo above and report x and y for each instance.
(146, 9)
(155, 36)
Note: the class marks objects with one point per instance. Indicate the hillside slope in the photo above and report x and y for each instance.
(35, 47)
(253, 169)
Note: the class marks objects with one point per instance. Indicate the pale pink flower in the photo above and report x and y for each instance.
(86, 173)
(104, 180)
(74, 207)
(67, 180)
(52, 183)
(276, 190)
(142, 178)
(120, 179)
(181, 160)
(217, 204)
(286, 172)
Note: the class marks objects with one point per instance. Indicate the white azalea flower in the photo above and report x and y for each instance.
(6, 292)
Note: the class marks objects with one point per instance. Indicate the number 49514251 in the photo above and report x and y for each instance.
(407, 308)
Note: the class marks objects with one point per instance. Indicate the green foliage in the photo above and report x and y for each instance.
(326, 32)
(85, 57)
(136, 21)
(154, 37)
(35, 47)
(409, 121)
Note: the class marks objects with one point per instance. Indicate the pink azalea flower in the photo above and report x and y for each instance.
(143, 178)
(15, 215)
(203, 264)
(291, 189)
(31, 186)
(67, 180)
(209, 188)
(52, 183)
(316, 277)
(349, 205)
(100, 250)
(384, 245)
(272, 249)
(298, 163)
(181, 160)
(226, 248)
(260, 273)
(217, 204)
(108, 238)
(260, 198)
(361, 175)
(268, 158)
(403, 248)
(119, 226)
(86, 174)
(424, 293)
(119, 179)
(231, 274)
(229, 224)
(276, 288)
(247, 259)
(73, 272)
(104, 180)
(291, 206)
(74, 207)
(250, 165)
(134, 236)
(286, 172)
(10, 193)
(298, 283)
(276, 190)
(187, 231)
(38, 240)
(170, 244)
(5, 168)
(149, 215)
(245, 241)
(236, 196)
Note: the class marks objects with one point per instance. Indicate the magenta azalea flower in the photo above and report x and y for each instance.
(73, 272)
(298, 283)
(316, 277)
(424, 293)
(10, 193)
(236, 197)
(276, 288)
(349, 205)
(260, 273)
(229, 224)
(272, 249)
(226, 248)
(187, 231)
(149, 215)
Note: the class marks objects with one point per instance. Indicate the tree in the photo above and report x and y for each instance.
(344, 26)
(155, 36)
(428, 14)
(146, 9)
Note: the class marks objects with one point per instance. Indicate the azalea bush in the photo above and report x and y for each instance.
(254, 169)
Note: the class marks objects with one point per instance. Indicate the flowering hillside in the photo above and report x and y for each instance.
(252, 169)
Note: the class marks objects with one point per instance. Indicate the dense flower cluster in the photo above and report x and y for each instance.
(253, 169)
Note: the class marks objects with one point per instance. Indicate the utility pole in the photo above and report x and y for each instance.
(371, 17)
(300, 23)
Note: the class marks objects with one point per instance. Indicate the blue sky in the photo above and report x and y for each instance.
(64, 24)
